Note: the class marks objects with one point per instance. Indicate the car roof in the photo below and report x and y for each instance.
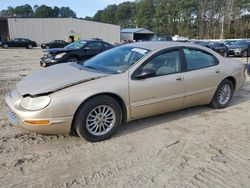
(159, 45)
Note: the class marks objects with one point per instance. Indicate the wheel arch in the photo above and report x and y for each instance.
(114, 96)
(232, 79)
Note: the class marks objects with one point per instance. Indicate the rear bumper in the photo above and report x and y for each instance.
(17, 117)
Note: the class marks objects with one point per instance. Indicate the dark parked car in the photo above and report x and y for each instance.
(229, 42)
(74, 52)
(202, 43)
(18, 42)
(220, 48)
(240, 48)
(54, 44)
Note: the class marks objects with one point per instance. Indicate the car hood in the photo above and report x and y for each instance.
(58, 50)
(55, 78)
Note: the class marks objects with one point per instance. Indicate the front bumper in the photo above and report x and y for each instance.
(17, 116)
(235, 52)
(45, 62)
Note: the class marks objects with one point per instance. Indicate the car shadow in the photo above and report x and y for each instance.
(137, 125)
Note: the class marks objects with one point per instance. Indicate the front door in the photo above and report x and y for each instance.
(162, 92)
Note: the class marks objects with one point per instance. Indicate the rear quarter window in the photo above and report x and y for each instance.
(198, 59)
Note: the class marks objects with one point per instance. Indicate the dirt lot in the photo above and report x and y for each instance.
(197, 147)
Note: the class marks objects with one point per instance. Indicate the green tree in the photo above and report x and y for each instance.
(125, 14)
(109, 15)
(44, 11)
(145, 14)
(66, 12)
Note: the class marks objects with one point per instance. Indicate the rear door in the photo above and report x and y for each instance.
(202, 76)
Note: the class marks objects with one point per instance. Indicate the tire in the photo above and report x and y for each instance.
(30, 46)
(73, 59)
(90, 121)
(5, 46)
(244, 54)
(223, 95)
(225, 54)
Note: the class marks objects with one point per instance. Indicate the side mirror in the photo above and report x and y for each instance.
(86, 49)
(146, 73)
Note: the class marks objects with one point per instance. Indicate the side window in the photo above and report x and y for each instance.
(197, 59)
(107, 46)
(95, 45)
(166, 63)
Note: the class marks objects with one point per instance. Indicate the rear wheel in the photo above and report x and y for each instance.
(5, 46)
(225, 54)
(98, 118)
(223, 95)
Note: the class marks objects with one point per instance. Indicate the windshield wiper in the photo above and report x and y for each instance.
(90, 67)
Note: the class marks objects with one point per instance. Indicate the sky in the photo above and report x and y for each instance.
(82, 8)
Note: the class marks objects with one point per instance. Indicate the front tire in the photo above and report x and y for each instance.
(98, 118)
(73, 59)
(244, 54)
(30, 46)
(223, 95)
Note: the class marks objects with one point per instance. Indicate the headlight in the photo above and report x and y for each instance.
(36, 103)
(238, 49)
(58, 56)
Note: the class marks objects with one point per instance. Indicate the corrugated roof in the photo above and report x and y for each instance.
(136, 30)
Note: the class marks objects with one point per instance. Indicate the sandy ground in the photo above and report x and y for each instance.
(195, 147)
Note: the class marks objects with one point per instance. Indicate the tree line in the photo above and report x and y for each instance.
(203, 19)
(42, 11)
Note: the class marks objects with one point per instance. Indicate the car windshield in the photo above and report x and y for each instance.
(116, 60)
(76, 45)
(240, 42)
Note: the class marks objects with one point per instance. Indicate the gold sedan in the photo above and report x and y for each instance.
(122, 84)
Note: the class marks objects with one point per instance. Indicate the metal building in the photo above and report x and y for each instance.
(47, 29)
(137, 34)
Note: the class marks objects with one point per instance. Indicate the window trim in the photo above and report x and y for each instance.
(158, 54)
(217, 62)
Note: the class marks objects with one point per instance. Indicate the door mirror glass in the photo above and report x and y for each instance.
(145, 73)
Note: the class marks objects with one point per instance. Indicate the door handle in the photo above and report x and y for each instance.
(217, 71)
(180, 78)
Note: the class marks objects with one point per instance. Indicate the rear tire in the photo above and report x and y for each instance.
(223, 95)
(5, 46)
(98, 118)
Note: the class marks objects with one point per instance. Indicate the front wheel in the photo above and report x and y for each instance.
(223, 95)
(73, 59)
(244, 54)
(30, 46)
(98, 118)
